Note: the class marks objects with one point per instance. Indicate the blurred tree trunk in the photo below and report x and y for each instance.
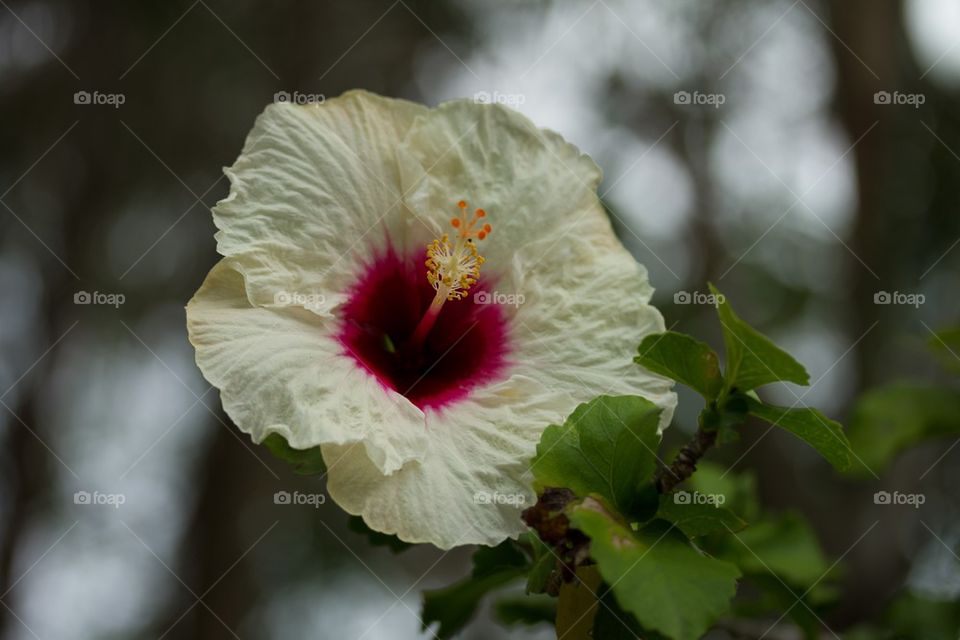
(35, 468)
(874, 32)
(217, 539)
(892, 218)
(28, 479)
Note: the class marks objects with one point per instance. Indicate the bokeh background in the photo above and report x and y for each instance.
(775, 173)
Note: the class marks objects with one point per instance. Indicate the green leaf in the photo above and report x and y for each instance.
(684, 359)
(613, 623)
(740, 489)
(656, 574)
(753, 359)
(305, 462)
(784, 546)
(726, 421)
(375, 538)
(489, 560)
(914, 616)
(946, 344)
(773, 598)
(454, 606)
(698, 519)
(527, 610)
(891, 419)
(544, 564)
(811, 426)
(607, 446)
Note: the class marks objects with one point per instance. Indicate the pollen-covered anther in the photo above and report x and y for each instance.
(453, 267)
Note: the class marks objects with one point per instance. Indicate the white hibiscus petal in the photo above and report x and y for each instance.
(535, 187)
(280, 371)
(474, 479)
(585, 299)
(579, 330)
(314, 187)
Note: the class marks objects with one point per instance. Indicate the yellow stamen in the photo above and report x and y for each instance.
(452, 268)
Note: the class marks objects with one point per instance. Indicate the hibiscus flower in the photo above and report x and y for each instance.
(420, 292)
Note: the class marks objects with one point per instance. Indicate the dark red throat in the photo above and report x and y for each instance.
(467, 347)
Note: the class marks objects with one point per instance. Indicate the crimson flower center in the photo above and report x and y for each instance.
(465, 348)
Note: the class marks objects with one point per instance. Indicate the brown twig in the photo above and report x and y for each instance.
(685, 463)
